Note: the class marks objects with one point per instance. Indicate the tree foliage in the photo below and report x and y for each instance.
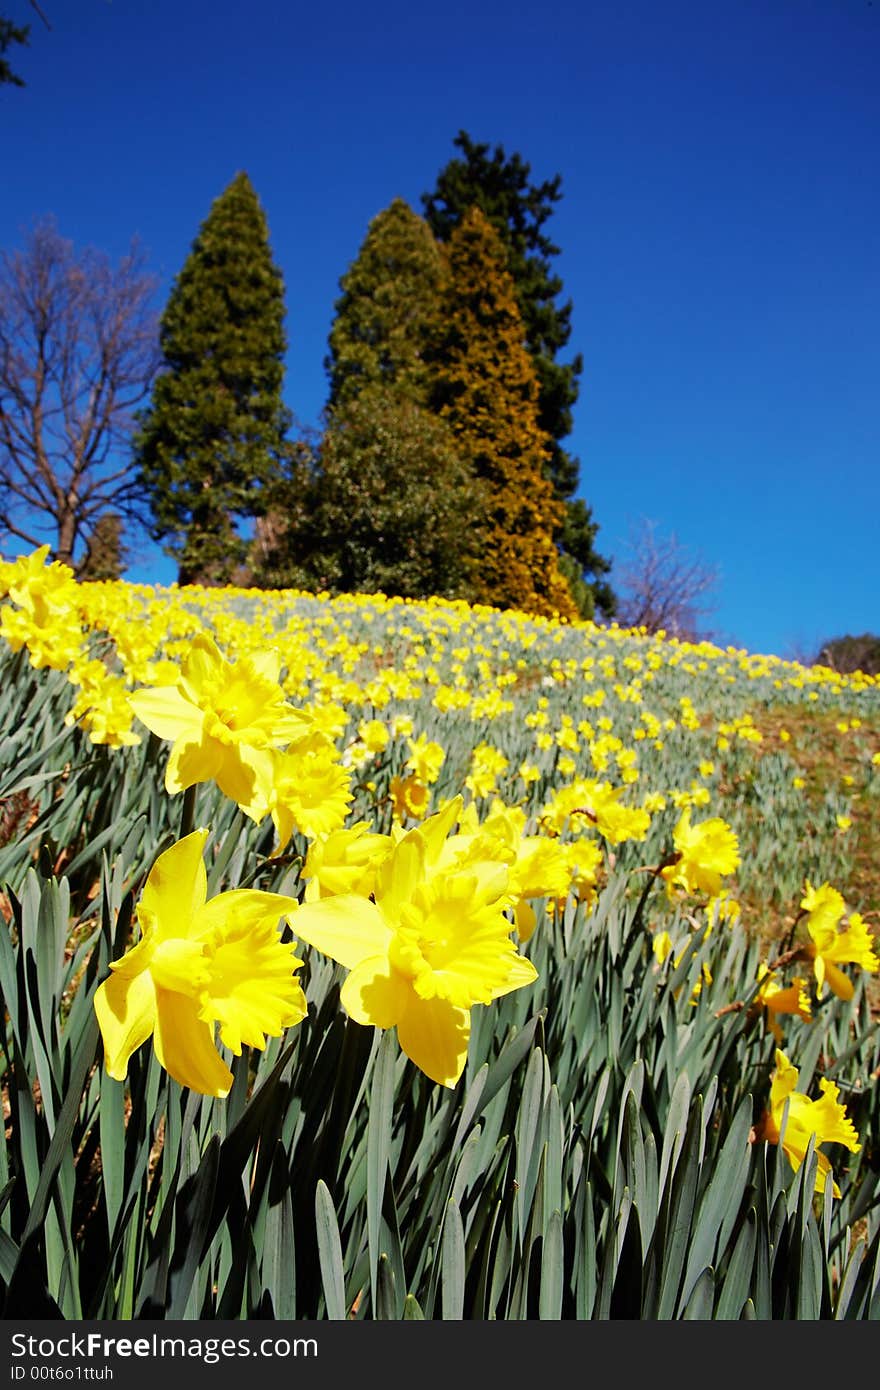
(387, 312)
(78, 351)
(487, 391)
(106, 554)
(388, 507)
(384, 503)
(849, 653)
(11, 34)
(500, 186)
(214, 435)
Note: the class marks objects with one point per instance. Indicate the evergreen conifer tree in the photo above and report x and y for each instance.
(487, 391)
(9, 34)
(213, 436)
(385, 503)
(387, 311)
(499, 185)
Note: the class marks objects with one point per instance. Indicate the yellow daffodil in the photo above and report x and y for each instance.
(780, 999)
(217, 715)
(426, 759)
(199, 963)
(103, 709)
(409, 797)
(374, 735)
(587, 803)
(345, 861)
(704, 853)
(43, 591)
(538, 867)
(487, 764)
(432, 943)
(825, 1118)
(305, 788)
(585, 863)
(830, 947)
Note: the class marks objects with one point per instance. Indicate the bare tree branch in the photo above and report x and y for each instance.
(79, 348)
(35, 6)
(662, 585)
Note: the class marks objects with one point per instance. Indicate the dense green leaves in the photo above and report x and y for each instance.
(387, 315)
(389, 508)
(558, 1183)
(214, 434)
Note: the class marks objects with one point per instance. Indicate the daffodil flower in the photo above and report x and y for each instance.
(199, 963)
(433, 943)
(825, 1118)
(344, 861)
(409, 797)
(218, 717)
(829, 947)
(305, 789)
(780, 999)
(704, 853)
(538, 867)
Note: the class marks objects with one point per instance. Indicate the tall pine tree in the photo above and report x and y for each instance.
(487, 391)
(214, 435)
(387, 312)
(500, 186)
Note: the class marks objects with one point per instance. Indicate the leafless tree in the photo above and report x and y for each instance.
(662, 584)
(79, 348)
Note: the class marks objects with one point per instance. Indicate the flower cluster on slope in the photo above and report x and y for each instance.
(199, 962)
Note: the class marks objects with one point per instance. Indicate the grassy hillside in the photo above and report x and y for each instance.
(671, 849)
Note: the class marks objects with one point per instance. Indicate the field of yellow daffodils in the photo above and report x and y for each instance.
(364, 958)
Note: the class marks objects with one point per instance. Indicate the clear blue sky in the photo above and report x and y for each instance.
(719, 227)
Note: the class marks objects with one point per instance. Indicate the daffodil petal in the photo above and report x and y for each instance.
(347, 928)
(375, 993)
(242, 909)
(176, 889)
(525, 919)
(126, 1010)
(167, 713)
(202, 665)
(266, 664)
(185, 1045)
(840, 984)
(522, 972)
(237, 775)
(137, 958)
(433, 832)
(193, 759)
(823, 1172)
(399, 874)
(434, 1034)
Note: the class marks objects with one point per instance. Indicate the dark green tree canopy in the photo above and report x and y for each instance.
(384, 505)
(214, 435)
(850, 653)
(386, 313)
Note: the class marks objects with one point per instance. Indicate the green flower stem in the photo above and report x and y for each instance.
(188, 814)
